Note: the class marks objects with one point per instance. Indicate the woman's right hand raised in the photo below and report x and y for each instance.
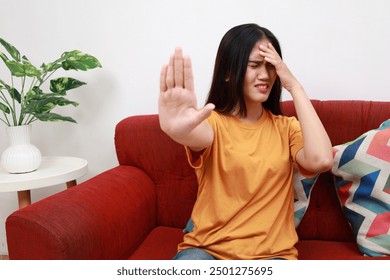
(177, 104)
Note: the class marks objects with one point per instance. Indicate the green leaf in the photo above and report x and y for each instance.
(53, 117)
(2, 83)
(38, 107)
(51, 66)
(30, 70)
(11, 49)
(16, 68)
(34, 93)
(22, 69)
(4, 57)
(4, 108)
(25, 59)
(64, 84)
(43, 96)
(77, 60)
(14, 93)
(46, 104)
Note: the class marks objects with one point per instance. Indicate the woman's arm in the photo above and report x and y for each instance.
(316, 154)
(178, 113)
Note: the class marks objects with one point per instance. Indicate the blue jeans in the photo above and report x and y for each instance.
(193, 254)
(199, 254)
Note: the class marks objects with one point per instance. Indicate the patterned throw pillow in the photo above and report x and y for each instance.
(302, 190)
(362, 179)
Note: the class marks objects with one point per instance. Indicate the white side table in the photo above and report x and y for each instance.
(53, 171)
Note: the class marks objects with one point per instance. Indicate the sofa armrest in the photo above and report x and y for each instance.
(106, 217)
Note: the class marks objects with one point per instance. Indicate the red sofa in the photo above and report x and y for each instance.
(138, 209)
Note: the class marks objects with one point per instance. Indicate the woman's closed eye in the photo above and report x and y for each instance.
(255, 64)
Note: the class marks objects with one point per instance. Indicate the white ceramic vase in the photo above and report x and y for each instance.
(21, 156)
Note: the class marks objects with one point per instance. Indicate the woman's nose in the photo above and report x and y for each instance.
(263, 72)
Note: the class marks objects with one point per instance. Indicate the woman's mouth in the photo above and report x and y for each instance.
(263, 88)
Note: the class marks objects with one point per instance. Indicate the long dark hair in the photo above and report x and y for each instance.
(231, 62)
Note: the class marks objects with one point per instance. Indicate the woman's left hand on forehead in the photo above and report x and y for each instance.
(271, 56)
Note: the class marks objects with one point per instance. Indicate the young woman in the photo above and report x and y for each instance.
(242, 148)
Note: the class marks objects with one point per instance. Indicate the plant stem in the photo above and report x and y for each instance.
(2, 97)
(22, 100)
(44, 79)
(13, 110)
(32, 84)
(6, 121)
(30, 119)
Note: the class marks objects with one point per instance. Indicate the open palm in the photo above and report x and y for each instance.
(178, 112)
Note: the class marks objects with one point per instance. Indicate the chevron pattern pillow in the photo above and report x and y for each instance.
(362, 179)
(302, 190)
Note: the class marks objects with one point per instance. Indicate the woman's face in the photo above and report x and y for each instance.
(259, 77)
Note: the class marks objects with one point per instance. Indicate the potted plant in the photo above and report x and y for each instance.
(24, 100)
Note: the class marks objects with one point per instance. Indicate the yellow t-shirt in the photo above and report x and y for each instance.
(245, 202)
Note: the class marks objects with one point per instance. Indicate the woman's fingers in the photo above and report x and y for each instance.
(170, 79)
(178, 72)
(286, 77)
(204, 113)
(163, 78)
(179, 67)
(270, 46)
(188, 76)
(270, 54)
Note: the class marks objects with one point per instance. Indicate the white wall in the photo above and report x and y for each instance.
(338, 49)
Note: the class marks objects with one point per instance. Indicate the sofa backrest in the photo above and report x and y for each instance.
(140, 142)
(345, 120)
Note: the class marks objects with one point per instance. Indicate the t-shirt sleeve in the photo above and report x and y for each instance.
(296, 139)
(296, 144)
(196, 159)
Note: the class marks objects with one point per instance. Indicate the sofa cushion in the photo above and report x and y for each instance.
(330, 250)
(362, 178)
(160, 244)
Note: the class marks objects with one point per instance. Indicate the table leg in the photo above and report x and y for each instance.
(71, 184)
(24, 198)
